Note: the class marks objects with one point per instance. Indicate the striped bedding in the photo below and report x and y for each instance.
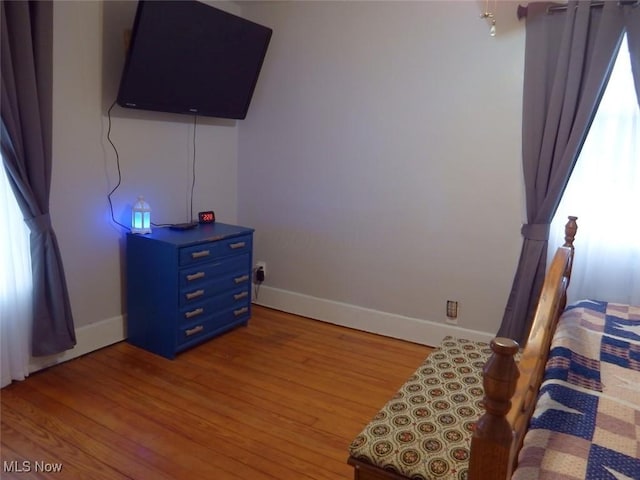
(586, 424)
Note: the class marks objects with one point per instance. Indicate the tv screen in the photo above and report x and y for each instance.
(189, 57)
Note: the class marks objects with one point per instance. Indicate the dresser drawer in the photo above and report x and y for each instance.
(235, 299)
(205, 252)
(226, 283)
(205, 327)
(201, 274)
(232, 287)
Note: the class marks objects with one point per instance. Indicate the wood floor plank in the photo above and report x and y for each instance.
(279, 399)
(275, 428)
(209, 419)
(87, 434)
(151, 426)
(25, 434)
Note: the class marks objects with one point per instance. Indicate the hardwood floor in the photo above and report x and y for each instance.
(279, 399)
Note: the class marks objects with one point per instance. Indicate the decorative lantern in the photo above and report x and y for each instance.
(141, 217)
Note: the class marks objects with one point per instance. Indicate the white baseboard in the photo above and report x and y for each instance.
(112, 330)
(415, 330)
(88, 338)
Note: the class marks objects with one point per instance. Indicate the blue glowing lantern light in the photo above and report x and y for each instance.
(141, 217)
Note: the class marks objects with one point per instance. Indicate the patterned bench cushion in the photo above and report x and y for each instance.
(424, 431)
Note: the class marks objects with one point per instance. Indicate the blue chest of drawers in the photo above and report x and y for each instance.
(185, 287)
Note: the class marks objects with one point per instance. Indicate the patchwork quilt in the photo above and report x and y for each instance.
(586, 424)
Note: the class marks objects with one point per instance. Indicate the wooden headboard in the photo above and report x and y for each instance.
(511, 389)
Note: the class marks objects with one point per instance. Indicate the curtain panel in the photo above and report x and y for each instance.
(632, 26)
(26, 103)
(568, 58)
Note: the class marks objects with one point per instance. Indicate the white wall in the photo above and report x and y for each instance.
(155, 158)
(380, 162)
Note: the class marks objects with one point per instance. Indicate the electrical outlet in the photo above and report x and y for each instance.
(262, 265)
(452, 312)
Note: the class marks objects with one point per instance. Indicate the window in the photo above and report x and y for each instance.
(604, 192)
(15, 286)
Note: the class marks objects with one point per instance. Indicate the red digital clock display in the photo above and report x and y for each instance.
(206, 217)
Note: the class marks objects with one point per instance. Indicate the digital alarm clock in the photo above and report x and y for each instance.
(206, 217)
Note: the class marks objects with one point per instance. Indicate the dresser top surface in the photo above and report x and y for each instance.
(202, 233)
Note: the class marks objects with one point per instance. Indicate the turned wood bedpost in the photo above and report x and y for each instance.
(570, 230)
(493, 436)
(499, 432)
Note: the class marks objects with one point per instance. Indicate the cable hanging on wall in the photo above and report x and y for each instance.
(113, 218)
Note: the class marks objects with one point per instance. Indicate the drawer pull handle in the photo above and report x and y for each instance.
(194, 330)
(240, 295)
(196, 294)
(237, 245)
(200, 254)
(240, 311)
(194, 313)
(195, 276)
(241, 279)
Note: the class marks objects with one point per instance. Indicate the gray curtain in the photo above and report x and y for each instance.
(569, 55)
(26, 99)
(632, 24)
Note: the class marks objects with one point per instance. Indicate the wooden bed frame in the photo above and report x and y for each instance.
(510, 389)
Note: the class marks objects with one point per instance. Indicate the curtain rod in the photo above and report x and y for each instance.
(522, 11)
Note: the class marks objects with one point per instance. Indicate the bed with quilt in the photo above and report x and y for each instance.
(586, 422)
(564, 406)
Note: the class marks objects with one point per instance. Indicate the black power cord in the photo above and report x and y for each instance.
(193, 168)
(119, 171)
(110, 194)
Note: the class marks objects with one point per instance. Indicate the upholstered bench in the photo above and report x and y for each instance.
(424, 431)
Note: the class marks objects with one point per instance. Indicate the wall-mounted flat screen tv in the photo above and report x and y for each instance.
(189, 57)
